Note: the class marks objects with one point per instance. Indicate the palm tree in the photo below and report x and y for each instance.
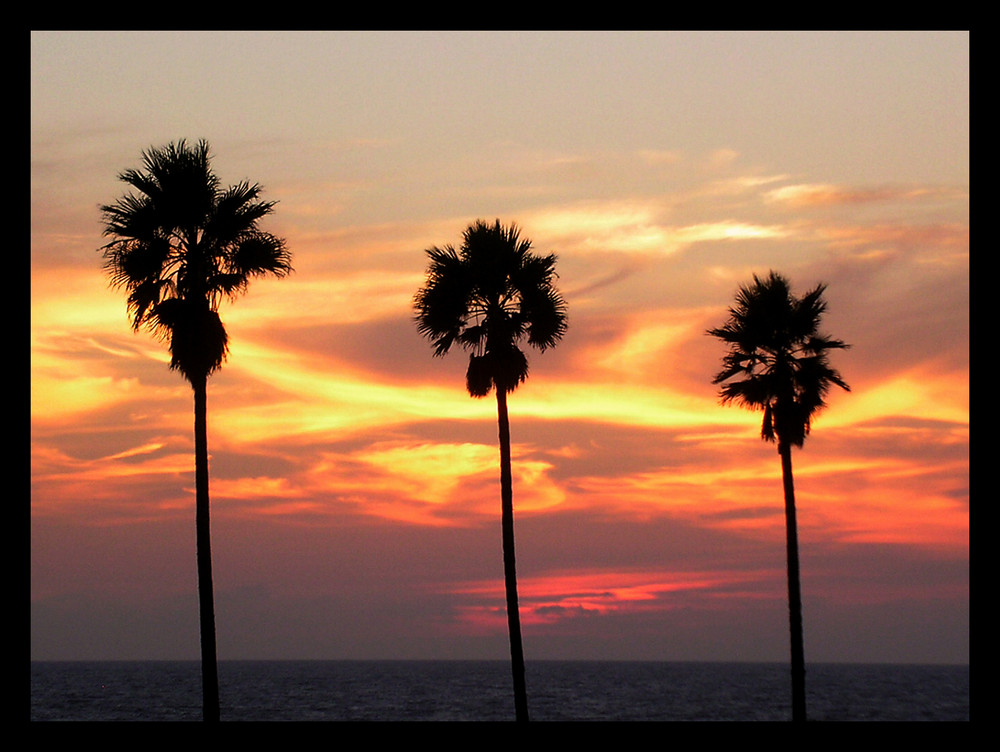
(488, 296)
(181, 243)
(778, 363)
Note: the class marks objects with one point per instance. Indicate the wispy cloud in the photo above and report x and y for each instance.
(816, 194)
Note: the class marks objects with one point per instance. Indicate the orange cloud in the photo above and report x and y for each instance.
(819, 194)
(921, 392)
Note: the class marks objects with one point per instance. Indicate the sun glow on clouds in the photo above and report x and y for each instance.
(644, 339)
(143, 482)
(445, 473)
(321, 396)
(313, 397)
(557, 597)
(429, 476)
(317, 396)
(330, 298)
(636, 227)
(59, 394)
(68, 314)
(313, 394)
(932, 396)
(927, 506)
(815, 194)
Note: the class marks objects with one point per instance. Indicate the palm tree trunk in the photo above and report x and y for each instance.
(509, 570)
(794, 593)
(206, 599)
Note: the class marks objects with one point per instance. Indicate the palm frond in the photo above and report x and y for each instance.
(488, 296)
(442, 305)
(179, 244)
(777, 358)
(258, 254)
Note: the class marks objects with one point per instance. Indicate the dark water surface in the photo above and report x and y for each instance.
(481, 691)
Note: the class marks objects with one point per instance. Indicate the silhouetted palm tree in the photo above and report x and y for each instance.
(180, 244)
(778, 362)
(489, 296)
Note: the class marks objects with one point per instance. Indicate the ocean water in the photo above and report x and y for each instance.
(481, 691)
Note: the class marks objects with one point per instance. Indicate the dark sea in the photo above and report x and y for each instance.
(481, 691)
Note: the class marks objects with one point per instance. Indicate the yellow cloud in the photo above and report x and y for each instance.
(919, 394)
(635, 227)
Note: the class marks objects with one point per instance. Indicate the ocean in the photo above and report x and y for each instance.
(481, 691)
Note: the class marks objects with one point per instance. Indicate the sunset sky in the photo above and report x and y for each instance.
(355, 492)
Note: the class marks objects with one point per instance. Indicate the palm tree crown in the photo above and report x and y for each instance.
(182, 243)
(488, 296)
(777, 359)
